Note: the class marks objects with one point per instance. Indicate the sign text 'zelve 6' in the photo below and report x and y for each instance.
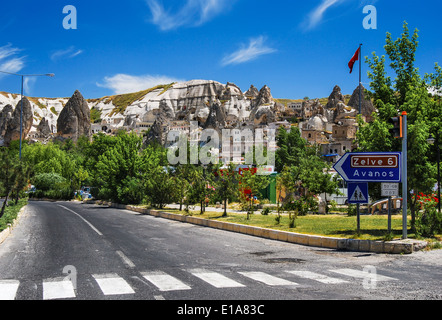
(370, 167)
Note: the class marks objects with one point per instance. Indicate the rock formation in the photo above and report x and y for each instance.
(5, 116)
(252, 93)
(74, 120)
(156, 133)
(264, 97)
(43, 129)
(217, 117)
(13, 127)
(263, 115)
(367, 107)
(335, 97)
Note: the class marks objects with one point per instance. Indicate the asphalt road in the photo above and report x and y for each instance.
(70, 250)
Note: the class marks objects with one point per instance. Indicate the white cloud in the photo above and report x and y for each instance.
(28, 85)
(124, 83)
(9, 61)
(68, 53)
(192, 13)
(316, 16)
(255, 49)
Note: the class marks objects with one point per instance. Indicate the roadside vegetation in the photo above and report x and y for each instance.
(120, 169)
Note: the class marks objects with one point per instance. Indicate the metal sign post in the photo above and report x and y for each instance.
(404, 177)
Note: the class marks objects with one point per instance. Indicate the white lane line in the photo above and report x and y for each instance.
(126, 260)
(58, 289)
(317, 277)
(88, 223)
(165, 282)
(112, 284)
(8, 289)
(268, 279)
(362, 274)
(215, 279)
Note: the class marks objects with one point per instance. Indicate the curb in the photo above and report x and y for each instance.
(408, 246)
(5, 233)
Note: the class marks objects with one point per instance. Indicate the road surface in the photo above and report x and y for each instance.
(70, 250)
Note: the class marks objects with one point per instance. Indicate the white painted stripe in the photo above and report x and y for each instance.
(268, 279)
(215, 279)
(58, 289)
(362, 274)
(112, 284)
(88, 223)
(165, 282)
(8, 289)
(317, 277)
(126, 260)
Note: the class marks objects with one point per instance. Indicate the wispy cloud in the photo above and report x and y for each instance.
(124, 83)
(68, 53)
(9, 59)
(316, 16)
(28, 85)
(255, 49)
(191, 13)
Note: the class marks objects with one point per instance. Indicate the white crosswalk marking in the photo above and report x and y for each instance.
(8, 289)
(58, 289)
(317, 277)
(268, 279)
(112, 284)
(216, 279)
(362, 274)
(165, 282)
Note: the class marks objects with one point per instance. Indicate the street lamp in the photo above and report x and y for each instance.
(21, 103)
(436, 141)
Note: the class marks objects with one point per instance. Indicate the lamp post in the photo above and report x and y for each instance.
(436, 141)
(21, 102)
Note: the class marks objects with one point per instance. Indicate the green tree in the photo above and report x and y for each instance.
(250, 186)
(409, 93)
(119, 168)
(8, 169)
(227, 184)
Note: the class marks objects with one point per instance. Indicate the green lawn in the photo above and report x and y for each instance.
(11, 213)
(341, 226)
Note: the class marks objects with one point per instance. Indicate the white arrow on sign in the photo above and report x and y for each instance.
(339, 169)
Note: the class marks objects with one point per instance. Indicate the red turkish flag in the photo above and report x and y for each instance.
(354, 59)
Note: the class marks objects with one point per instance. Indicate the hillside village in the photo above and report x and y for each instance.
(330, 123)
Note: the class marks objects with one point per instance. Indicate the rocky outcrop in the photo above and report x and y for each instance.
(264, 97)
(252, 93)
(367, 107)
(335, 97)
(5, 116)
(157, 133)
(217, 117)
(263, 115)
(43, 129)
(74, 120)
(12, 132)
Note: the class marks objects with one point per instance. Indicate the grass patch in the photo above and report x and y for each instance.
(11, 213)
(340, 226)
(122, 101)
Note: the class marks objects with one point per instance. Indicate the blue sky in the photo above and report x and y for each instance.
(297, 48)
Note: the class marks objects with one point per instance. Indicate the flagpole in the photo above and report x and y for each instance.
(360, 78)
(358, 206)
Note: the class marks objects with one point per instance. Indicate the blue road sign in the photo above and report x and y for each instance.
(358, 193)
(370, 167)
